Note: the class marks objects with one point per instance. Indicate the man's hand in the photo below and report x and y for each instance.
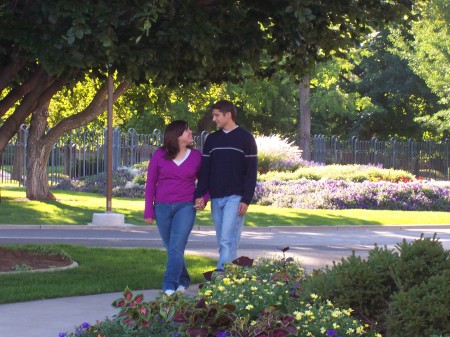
(242, 209)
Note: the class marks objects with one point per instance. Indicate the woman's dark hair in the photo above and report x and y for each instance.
(171, 134)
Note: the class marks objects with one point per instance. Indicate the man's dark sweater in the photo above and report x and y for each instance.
(229, 165)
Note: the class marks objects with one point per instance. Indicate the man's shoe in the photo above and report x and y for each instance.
(181, 289)
(169, 292)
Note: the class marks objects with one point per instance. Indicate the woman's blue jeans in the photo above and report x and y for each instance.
(228, 226)
(175, 222)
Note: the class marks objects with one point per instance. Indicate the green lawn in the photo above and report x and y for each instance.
(76, 208)
(100, 270)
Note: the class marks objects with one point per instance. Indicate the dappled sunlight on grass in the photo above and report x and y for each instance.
(78, 208)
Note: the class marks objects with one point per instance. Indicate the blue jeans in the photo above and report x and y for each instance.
(175, 222)
(228, 226)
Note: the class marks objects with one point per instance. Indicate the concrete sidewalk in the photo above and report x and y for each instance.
(49, 318)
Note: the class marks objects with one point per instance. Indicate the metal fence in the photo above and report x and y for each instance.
(426, 159)
(80, 153)
(83, 153)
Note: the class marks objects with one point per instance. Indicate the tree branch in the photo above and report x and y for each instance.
(26, 107)
(20, 91)
(10, 71)
(93, 110)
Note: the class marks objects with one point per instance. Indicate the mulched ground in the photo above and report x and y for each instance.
(9, 258)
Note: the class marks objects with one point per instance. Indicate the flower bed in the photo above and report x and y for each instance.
(250, 300)
(340, 194)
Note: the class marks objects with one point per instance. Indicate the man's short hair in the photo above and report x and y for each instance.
(225, 106)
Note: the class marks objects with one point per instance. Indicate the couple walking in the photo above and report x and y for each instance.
(225, 172)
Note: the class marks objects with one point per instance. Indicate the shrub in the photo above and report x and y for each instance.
(419, 261)
(355, 173)
(357, 284)
(423, 310)
(388, 288)
(276, 153)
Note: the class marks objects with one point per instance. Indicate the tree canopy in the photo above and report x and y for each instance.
(49, 45)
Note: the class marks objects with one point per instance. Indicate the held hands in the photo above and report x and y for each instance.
(199, 204)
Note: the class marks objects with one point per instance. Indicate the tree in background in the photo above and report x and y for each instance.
(399, 95)
(426, 48)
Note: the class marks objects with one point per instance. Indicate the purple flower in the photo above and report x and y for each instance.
(85, 325)
(62, 334)
(222, 334)
(331, 333)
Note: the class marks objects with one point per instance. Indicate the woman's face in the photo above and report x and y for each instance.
(186, 137)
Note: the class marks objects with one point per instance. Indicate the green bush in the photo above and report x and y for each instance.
(391, 279)
(355, 173)
(423, 310)
(419, 261)
(355, 283)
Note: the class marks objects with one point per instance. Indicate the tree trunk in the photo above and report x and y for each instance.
(40, 142)
(304, 134)
(38, 152)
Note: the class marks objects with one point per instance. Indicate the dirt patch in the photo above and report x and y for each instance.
(16, 259)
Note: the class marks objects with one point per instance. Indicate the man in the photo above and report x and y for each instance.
(228, 171)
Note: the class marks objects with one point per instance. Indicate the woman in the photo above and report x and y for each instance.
(169, 199)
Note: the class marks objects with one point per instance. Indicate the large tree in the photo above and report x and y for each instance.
(49, 45)
(426, 48)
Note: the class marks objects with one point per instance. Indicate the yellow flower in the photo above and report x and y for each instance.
(208, 293)
(221, 288)
(336, 326)
(348, 312)
(254, 288)
(314, 296)
(360, 330)
(253, 323)
(323, 330)
(249, 307)
(350, 331)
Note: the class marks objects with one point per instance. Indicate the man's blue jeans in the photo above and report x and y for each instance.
(228, 226)
(175, 222)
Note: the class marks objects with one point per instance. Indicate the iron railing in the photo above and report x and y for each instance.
(427, 159)
(83, 153)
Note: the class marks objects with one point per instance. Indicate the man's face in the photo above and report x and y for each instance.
(221, 119)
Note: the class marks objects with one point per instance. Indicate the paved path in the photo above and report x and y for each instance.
(315, 247)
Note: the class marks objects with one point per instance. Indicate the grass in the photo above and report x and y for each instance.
(77, 208)
(100, 270)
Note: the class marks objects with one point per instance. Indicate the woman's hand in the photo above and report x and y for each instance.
(149, 220)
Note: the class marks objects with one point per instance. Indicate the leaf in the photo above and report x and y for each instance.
(243, 261)
(197, 332)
